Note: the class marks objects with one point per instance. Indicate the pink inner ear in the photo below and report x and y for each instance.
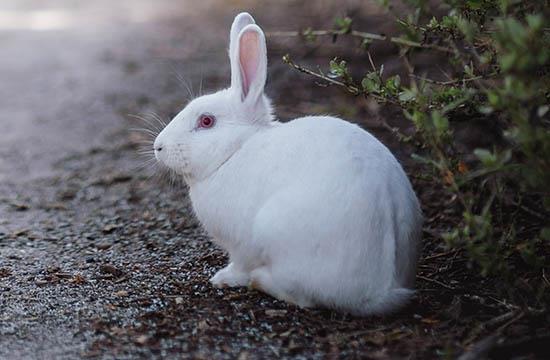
(249, 55)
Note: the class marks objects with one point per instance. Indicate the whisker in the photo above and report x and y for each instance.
(183, 82)
(145, 131)
(140, 117)
(146, 121)
(144, 144)
(148, 164)
(158, 119)
(200, 85)
(158, 173)
(145, 153)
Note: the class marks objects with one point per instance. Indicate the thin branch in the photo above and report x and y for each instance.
(446, 83)
(362, 35)
(371, 62)
(530, 211)
(481, 348)
(352, 88)
(435, 282)
(410, 69)
(441, 254)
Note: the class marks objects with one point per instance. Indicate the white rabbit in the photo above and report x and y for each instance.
(316, 211)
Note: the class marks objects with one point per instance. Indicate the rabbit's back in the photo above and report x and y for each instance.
(338, 178)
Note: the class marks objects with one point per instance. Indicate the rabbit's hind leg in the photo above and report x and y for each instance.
(262, 279)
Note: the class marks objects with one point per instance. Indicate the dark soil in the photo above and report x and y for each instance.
(98, 259)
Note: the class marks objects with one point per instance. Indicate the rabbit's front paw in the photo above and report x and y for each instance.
(229, 276)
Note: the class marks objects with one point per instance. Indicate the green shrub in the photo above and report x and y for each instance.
(499, 52)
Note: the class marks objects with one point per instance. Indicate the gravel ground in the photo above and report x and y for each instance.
(98, 259)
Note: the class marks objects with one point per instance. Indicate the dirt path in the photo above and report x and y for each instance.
(72, 74)
(98, 260)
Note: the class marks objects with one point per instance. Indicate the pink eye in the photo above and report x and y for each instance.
(206, 121)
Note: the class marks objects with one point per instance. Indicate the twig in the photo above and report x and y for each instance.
(497, 320)
(441, 254)
(545, 278)
(432, 233)
(350, 87)
(353, 89)
(392, 129)
(504, 303)
(371, 62)
(435, 282)
(360, 34)
(410, 69)
(530, 211)
(482, 347)
(445, 83)
(363, 332)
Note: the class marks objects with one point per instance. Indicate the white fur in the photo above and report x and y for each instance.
(316, 211)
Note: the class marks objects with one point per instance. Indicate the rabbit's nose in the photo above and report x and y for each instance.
(157, 149)
(157, 146)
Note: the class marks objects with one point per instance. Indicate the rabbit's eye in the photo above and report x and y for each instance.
(206, 121)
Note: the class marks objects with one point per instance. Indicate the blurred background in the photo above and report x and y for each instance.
(72, 71)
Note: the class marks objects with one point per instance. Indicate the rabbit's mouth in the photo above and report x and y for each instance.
(173, 157)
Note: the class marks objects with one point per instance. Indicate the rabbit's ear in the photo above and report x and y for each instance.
(251, 58)
(239, 23)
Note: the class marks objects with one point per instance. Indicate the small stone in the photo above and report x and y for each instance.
(142, 339)
(19, 206)
(245, 355)
(110, 269)
(275, 312)
(107, 229)
(78, 279)
(203, 325)
(20, 232)
(121, 293)
(104, 245)
(5, 272)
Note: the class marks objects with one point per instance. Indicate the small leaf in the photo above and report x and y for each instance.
(542, 110)
(545, 234)
(371, 82)
(440, 122)
(343, 25)
(369, 85)
(485, 156)
(407, 95)
(365, 44)
(485, 110)
(308, 35)
(535, 22)
(337, 69)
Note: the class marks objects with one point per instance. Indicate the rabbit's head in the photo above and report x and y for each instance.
(211, 128)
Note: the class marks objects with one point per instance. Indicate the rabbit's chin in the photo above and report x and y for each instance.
(178, 167)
